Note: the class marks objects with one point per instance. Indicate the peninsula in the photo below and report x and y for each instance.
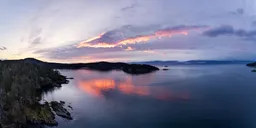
(21, 87)
(22, 83)
(99, 66)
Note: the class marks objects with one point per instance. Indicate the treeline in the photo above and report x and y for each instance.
(21, 85)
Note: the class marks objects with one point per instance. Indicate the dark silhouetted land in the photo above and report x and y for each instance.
(22, 83)
(99, 66)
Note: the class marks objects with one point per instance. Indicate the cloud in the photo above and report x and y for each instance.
(36, 41)
(35, 32)
(35, 37)
(254, 23)
(230, 31)
(3, 48)
(124, 40)
(153, 52)
(239, 11)
(132, 6)
(125, 36)
(129, 49)
(69, 51)
(221, 30)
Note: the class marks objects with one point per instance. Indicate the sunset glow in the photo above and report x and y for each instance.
(127, 63)
(125, 30)
(97, 87)
(129, 49)
(93, 42)
(95, 38)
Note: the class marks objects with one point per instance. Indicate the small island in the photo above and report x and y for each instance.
(22, 83)
(252, 65)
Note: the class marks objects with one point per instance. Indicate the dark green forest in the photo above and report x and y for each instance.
(21, 87)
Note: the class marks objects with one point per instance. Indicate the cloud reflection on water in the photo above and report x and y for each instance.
(126, 85)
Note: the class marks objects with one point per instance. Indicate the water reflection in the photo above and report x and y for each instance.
(95, 87)
(128, 85)
(215, 96)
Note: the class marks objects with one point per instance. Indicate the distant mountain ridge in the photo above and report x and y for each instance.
(196, 62)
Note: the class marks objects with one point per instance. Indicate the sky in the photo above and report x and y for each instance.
(128, 30)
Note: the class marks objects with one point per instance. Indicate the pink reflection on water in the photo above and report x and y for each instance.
(127, 85)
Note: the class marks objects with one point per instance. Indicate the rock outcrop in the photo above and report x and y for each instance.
(21, 87)
(59, 109)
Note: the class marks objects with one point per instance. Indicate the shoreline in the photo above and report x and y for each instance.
(21, 88)
(23, 82)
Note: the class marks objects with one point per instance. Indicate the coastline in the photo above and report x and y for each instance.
(21, 87)
(23, 82)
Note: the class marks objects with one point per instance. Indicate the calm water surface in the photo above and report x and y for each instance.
(222, 96)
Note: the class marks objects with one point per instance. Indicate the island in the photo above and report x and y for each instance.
(252, 65)
(23, 82)
(165, 69)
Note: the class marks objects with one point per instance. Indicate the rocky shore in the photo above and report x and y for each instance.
(58, 108)
(21, 88)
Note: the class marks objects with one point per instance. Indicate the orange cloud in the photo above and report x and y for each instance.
(98, 45)
(95, 38)
(132, 40)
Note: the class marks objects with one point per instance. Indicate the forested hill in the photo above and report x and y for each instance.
(101, 66)
(21, 87)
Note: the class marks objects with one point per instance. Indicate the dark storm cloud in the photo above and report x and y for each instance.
(231, 31)
(3, 48)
